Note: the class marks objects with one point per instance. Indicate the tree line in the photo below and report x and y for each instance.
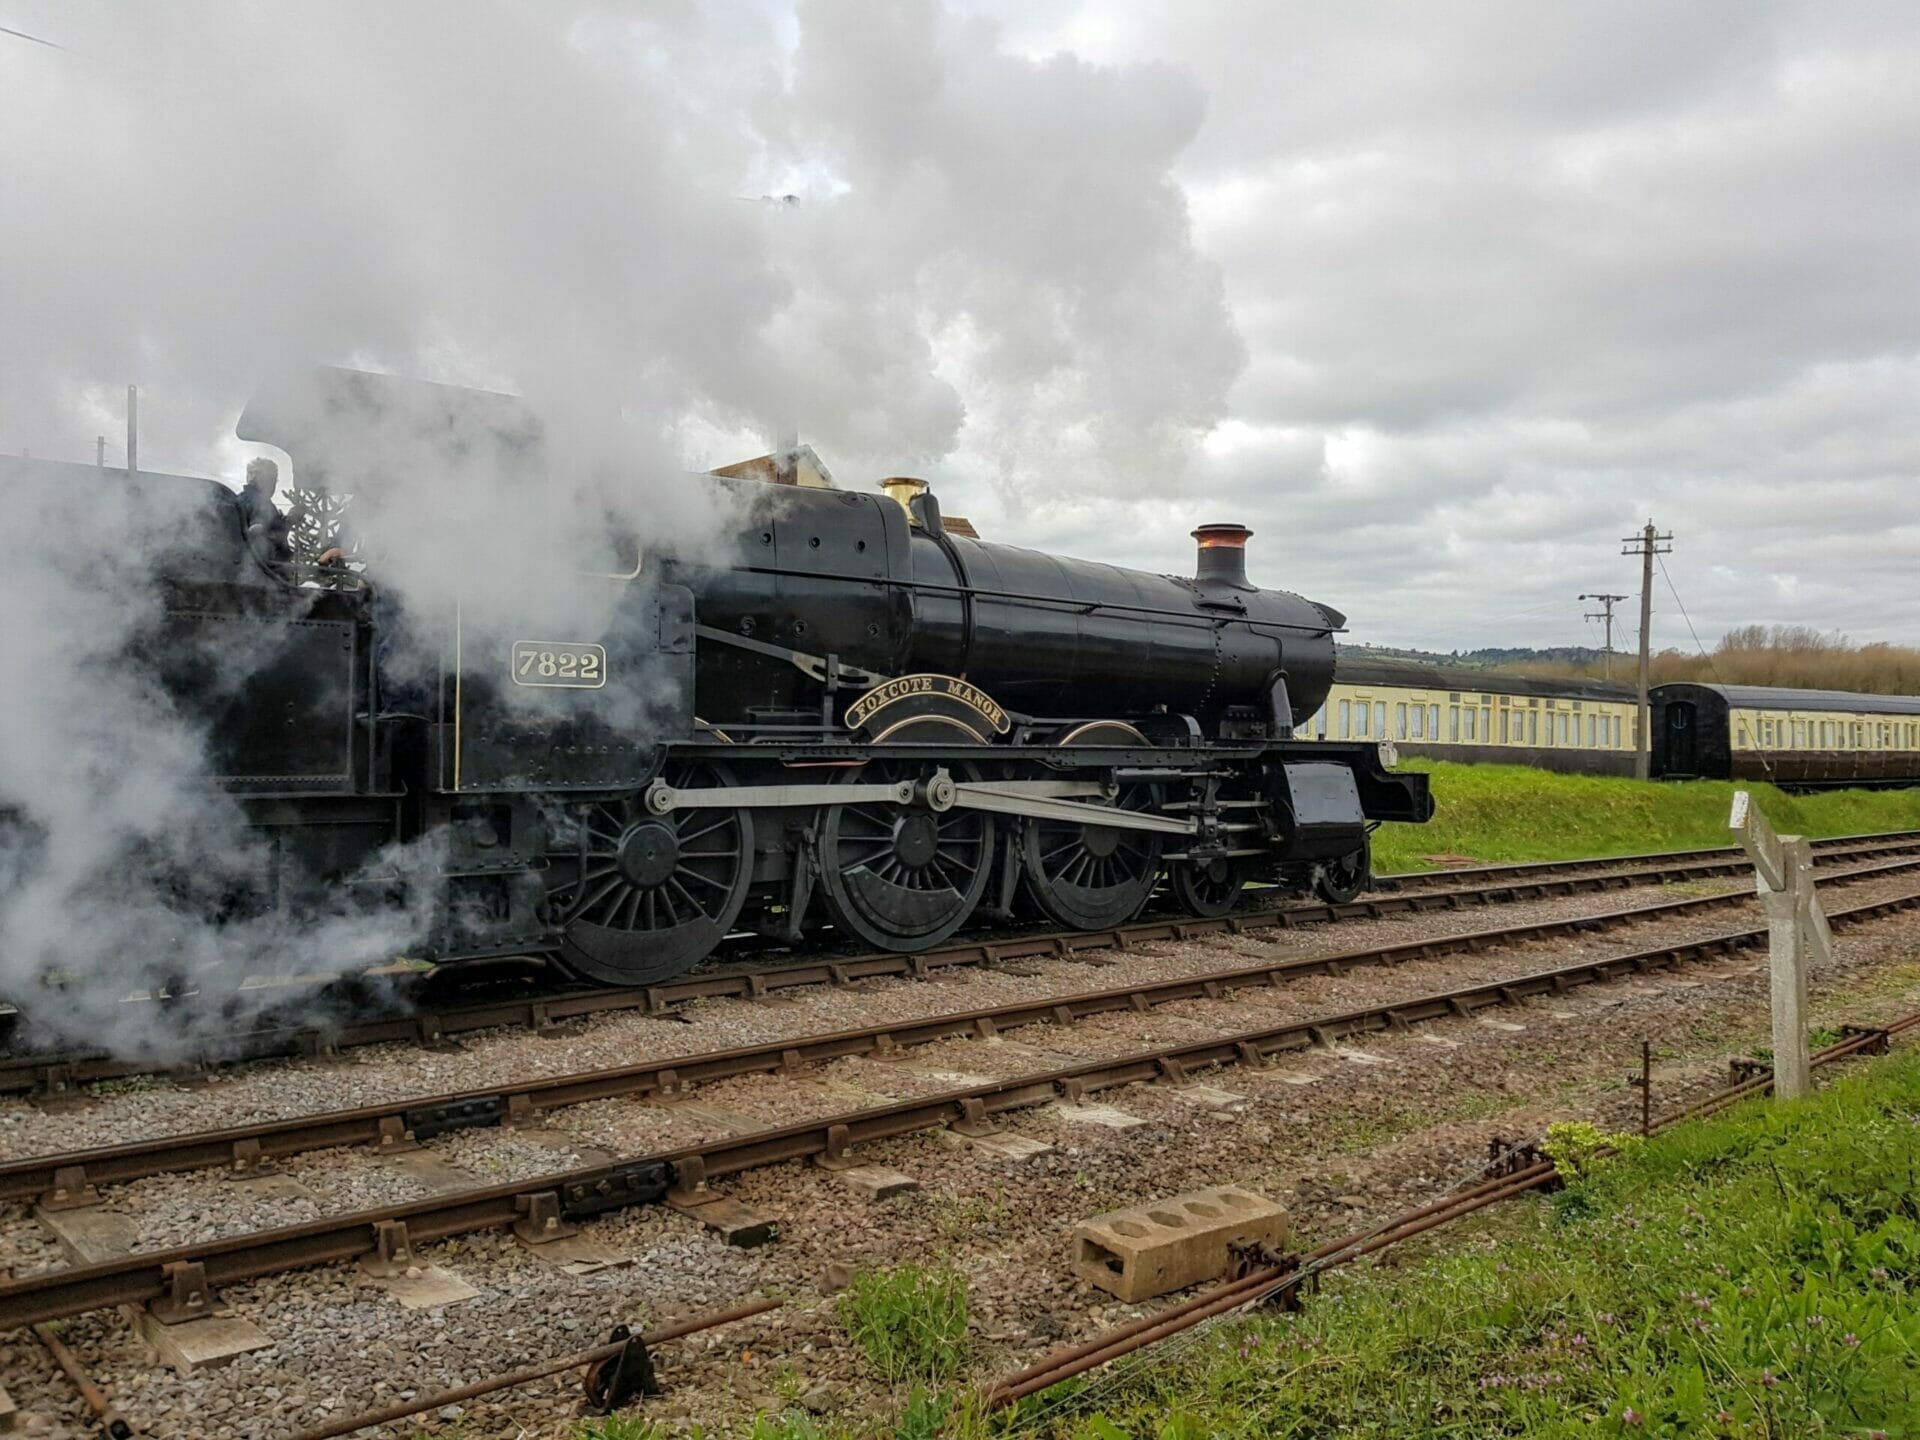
(1798, 656)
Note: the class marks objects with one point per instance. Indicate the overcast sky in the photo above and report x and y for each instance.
(1442, 300)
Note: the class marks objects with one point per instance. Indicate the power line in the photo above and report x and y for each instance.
(22, 35)
(1712, 668)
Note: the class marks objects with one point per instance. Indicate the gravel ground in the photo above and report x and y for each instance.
(1341, 1138)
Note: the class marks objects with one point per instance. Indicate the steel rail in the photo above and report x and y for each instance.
(62, 1176)
(137, 1278)
(1886, 839)
(55, 1074)
(1266, 1282)
(527, 1374)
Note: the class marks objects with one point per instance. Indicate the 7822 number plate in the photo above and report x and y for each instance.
(560, 664)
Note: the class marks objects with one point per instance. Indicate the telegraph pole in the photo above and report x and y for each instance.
(1647, 544)
(1605, 612)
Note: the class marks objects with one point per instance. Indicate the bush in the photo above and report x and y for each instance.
(909, 1321)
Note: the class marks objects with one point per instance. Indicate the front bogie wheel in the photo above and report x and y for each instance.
(1342, 881)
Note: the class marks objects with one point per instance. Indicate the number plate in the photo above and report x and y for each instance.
(559, 664)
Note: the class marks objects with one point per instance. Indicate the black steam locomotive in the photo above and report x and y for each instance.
(846, 716)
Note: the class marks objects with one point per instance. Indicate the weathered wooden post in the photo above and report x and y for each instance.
(1797, 934)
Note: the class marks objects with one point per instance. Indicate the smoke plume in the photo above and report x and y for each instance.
(564, 203)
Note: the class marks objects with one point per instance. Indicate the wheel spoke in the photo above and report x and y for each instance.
(699, 910)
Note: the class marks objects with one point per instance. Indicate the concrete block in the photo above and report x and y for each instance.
(1005, 1146)
(1154, 1249)
(201, 1344)
(876, 1182)
(1210, 1097)
(718, 1116)
(1089, 1114)
(269, 1186)
(578, 1255)
(431, 1171)
(430, 1288)
(733, 1222)
(89, 1235)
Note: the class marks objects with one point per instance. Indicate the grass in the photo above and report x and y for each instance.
(1496, 813)
(1749, 1276)
(910, 1321)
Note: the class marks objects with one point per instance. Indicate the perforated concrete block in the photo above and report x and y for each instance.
(1167, 1245)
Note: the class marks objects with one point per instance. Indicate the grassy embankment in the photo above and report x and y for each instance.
(1496, 813)
(1749, 1276)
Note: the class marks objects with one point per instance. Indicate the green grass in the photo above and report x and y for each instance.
(1496, 813)
(910, 1322)
(1749, 1276)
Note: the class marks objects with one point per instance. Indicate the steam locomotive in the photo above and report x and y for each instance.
(845, 715)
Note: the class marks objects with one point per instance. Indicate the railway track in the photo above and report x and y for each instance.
(547, 1204)
(60, 1179)
(57, 1073)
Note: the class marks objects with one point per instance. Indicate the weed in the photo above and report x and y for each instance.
(788, 1425)
(1818, 1038)
(1576, 1148)
(961, 1217)
(621, 1427)
(909, 1321)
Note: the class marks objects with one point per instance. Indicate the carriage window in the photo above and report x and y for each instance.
(1593, 732)
(1506, 716)
(1419, 722)
(1400, 721)
(1433, 721)
(1565, 722)
(1346, 718)
(1486, 723)
(1361, 709)
(1380, 718)
(1533, 727)
(1472, 733)
(1453, 722)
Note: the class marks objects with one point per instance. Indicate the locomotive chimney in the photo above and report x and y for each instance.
(1223, 555)
(904, 489)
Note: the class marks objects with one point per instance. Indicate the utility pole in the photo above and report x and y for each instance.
(1605, 613)
(1647, 544)
(133, 432)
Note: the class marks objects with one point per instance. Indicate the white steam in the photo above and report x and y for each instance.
(988, 257)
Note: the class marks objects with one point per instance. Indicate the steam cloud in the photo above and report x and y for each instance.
(545, 200)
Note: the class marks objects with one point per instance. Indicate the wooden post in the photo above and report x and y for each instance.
(1797, 936)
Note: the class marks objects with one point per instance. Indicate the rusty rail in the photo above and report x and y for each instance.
(526, 1375)
(63, 1177)
(138, 1278)
(58, 1072)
